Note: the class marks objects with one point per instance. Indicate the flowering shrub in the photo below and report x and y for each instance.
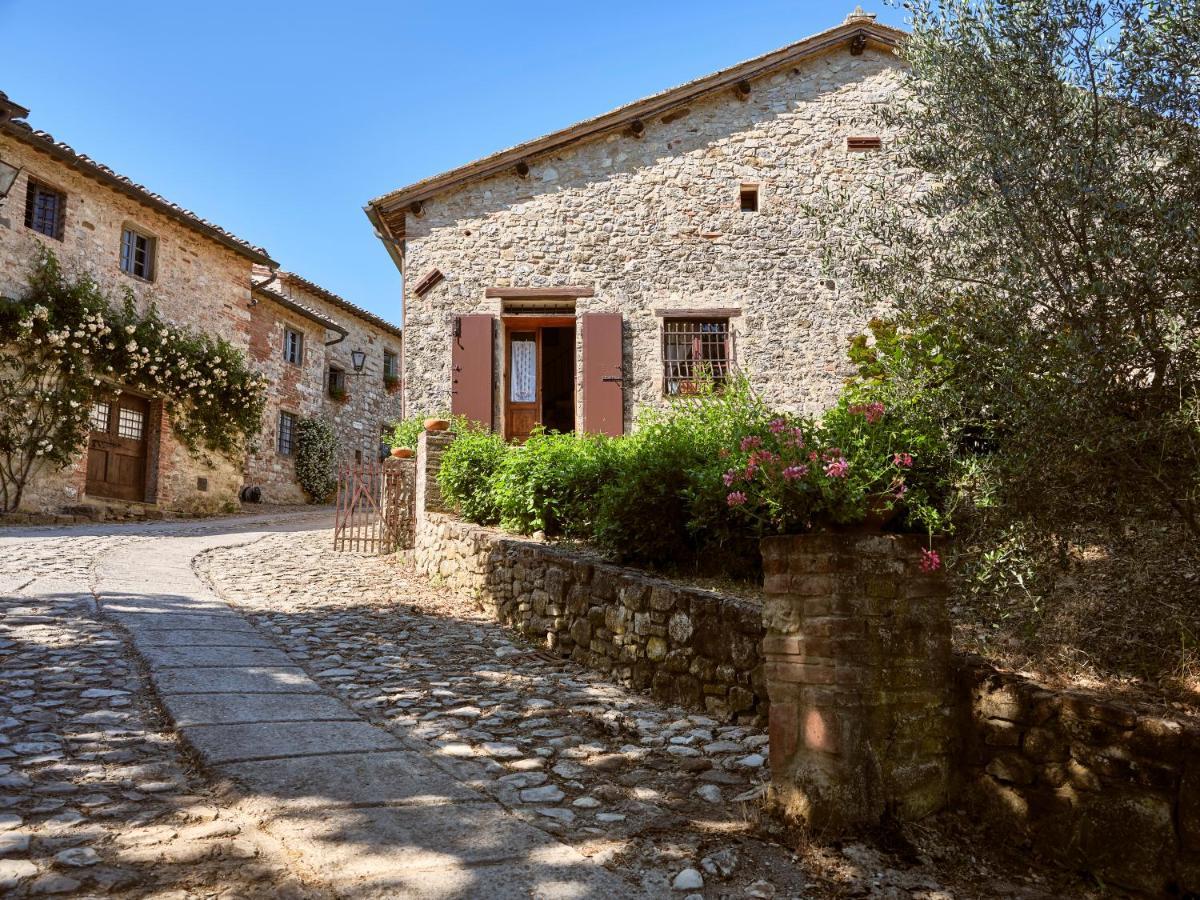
(316, 457)
(851, 466)
(63, 345)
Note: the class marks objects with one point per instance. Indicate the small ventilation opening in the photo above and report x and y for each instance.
(862, 143)
(749, 195)
(201, 483)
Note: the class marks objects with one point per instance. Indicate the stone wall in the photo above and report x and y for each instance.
(1096, 784)
(684, 645)
(654, 222)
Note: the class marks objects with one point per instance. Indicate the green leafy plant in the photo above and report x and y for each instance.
(316, 458)
(63, 345)
(465, 478)
(550, 483)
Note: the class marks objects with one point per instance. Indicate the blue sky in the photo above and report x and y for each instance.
(279, 120)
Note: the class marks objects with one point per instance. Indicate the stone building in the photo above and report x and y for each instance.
(206, 279)
(574, 278)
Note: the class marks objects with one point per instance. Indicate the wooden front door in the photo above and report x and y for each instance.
(523, 403)
(116, 464)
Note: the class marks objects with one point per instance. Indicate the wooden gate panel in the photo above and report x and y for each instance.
(472, 372)
(375, 510)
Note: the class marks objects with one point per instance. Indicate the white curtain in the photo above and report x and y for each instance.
(524, 371)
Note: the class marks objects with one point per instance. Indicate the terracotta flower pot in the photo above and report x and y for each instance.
(437, 424)
(402, 453)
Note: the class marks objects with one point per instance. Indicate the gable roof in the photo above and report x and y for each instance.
(387, 212)
(10, 115)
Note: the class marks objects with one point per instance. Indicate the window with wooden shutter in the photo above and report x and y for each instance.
(45, 209)
(137, 254)
(293, 346)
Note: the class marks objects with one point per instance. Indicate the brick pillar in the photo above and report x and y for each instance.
(430, 447)
(858, 673)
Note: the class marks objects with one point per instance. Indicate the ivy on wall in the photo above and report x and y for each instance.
(316, 455)
(63, 345)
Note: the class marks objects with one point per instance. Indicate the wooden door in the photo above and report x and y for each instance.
(116, 464)
(523, 400)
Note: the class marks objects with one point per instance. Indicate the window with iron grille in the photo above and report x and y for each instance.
(293, 346)
(100, 413)
(287, 433)
(137, 254)
(130, 423)
(45, 209)
(695, 352)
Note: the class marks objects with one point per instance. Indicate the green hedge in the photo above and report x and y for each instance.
(695, 486)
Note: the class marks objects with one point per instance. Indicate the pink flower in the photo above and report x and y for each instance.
(751, 471)
(900, 490)
(777, 425)
(749, 443)
(737, 498)
(903, 460)
(791, 473)
(930, 561)
(729, 477)
(797, 437)
(872, 411)
(838, 468)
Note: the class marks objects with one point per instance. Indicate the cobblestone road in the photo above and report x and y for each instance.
(98, 795)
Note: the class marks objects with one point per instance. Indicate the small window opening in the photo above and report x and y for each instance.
(863, 143)
(749, 195)
(696, 352)
(337, 383)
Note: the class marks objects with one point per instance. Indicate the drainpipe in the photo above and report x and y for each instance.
(258, 285)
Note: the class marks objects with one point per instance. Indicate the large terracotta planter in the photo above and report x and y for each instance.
(402, 453)
(437, 424)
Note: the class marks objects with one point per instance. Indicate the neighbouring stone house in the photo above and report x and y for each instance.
(207, 279)
(573, 279)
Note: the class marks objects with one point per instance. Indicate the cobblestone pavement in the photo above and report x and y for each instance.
(99, 796)
(671, 796)
(96, 794)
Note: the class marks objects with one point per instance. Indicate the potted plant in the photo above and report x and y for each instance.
(391, 383)
(338, 394)
(434, 424)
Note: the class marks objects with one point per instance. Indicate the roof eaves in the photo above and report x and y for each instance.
(45, 142)
(336, 300)
(296, 307)
(647, 107)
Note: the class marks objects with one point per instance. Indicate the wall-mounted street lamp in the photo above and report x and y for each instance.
(8, 177)
(358, 359)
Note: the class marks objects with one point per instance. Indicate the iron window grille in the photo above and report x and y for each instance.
(130, 424)
(137, 254)
(293, 346)
(287, 433)
(45, 209)
(696, 352)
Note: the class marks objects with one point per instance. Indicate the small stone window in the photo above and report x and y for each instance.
(749, 198)
(337, 383)
(45, 209)
(137, 254)
(287, 433)
(293, 346)
(391, 370)
(695, 352)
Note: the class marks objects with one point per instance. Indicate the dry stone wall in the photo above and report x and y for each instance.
(654, 222)
(1097, 784)
(684, 645)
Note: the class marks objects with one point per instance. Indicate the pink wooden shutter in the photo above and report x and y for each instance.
(603, 389)
(471, 375)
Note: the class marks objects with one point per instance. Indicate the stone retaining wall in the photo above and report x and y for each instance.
(688, 646)
(1096, 784)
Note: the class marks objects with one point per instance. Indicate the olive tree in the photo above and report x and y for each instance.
(1050, 234)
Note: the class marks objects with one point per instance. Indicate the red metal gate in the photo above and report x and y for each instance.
(373, 508)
